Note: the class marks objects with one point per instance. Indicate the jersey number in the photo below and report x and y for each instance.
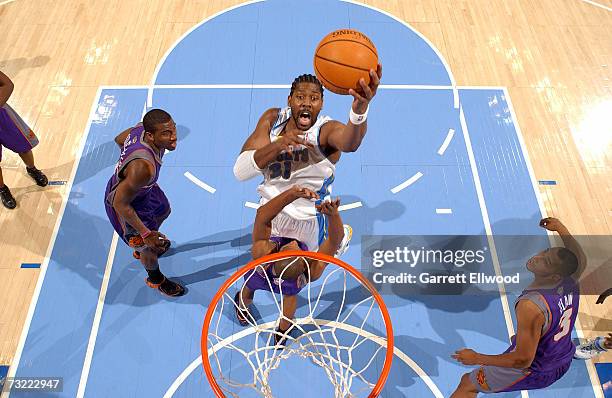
(278, 169)
(564, 324)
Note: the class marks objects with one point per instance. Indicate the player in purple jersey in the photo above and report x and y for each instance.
(289, 276)
(542, 350)
(17, 136)
(136, 206)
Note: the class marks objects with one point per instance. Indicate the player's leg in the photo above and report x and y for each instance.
(493, 379)
(289, 305)
(19, 138)
(253, 281)
(147, 256)
(243, 299)
(157, 280)
(5, 194)
(38, 176)
(246, 296)
(465, 389)
(158, 202)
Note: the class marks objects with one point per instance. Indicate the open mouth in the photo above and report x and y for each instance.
(304, 119)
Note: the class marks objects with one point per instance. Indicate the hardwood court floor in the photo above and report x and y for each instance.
(555, 57)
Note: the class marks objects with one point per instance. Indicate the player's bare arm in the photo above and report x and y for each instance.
(262, 228)
(259, 141)
(348, 137)
(335, 234)
(530, 321)
(570, 243)
(138, 174)
(6, 88)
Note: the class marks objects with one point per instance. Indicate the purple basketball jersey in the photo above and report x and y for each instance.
(135, 147)
(560, 308)
(263, 278)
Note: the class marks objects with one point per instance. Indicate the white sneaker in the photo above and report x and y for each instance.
(344, 245)
(590, 349)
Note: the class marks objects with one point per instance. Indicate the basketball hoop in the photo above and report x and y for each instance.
(349, 347)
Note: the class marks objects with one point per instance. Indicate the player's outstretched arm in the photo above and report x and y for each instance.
(6, 88)
(262, 228)
(570, 243)
(347, 138)
(138, 173)
(530, 321)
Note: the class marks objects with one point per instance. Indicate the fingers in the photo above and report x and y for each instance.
(357, 96)
(374, 78)
(305, 193)
(367, 89)
(329, 206)
(379, 71)
(308, 194)
(323, 207)
(290, 143)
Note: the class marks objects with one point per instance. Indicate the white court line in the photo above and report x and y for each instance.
(447, 141)
(161, 62)
(176, 43)
(444, 211)
(93, 335)
(598, 5)
(251, 205)
(595, 382)
(350, 206)
(426, 40)
(487, 223)
(45, 264)
(286, 86)
(220, 86)
(407, 183)
(6, 2)
(350, 328)
(414, 87)
(199, 182)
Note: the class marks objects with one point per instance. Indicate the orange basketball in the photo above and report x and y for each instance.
(342, 58)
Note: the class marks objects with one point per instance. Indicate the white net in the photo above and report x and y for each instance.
(338, 331)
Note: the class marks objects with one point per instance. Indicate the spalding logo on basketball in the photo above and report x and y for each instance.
(342, 58)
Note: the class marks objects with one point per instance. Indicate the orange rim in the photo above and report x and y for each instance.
(290, 253)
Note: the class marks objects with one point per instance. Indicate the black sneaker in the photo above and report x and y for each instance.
(280, 338)
(38, 176)
(171, 289)
(7, 198)
(242, 314)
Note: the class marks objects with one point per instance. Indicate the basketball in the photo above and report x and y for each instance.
(342, 58)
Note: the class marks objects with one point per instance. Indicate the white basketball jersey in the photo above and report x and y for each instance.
(308, 168)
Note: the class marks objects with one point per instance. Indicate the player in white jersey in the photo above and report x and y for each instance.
(295, 145)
